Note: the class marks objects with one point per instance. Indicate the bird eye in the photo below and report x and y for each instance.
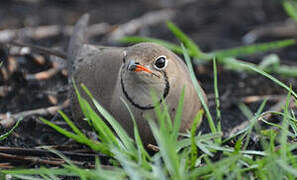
(160, 62)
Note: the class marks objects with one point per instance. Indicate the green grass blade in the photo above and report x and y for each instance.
(252, 49)
(35, 171)
(26, 177)
(284, 132)
(158, 169)
(246, 111)
(178, 115)
(82, 105)
(105, 134)
(217, 98)
(127, 141)
(293, 121)
(287, 168)
(270, 77)
(291, 8)
(184, 143)
(61, 130)
(194, 151)
(96, 146)
(199, 91)
(189, 43)
(131, 168)
(223, 163)
(253, 121)
(167, 149)
(5, 135)
(161, 115)
(71, 124)
(142, 153)
(168, 121)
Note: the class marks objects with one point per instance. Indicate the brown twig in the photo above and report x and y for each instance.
(12, 65)
(44, 156)
(38, 59)
(57, 66)
(7, 71)
(44, 74)
(151, 18)
(99, 29)
(252, 99)
(40, 49)
(4, 73)
(6, 166)
(42, 32)
(166, 3)
(7, 120)
(280, 29)
(153, 147)
(18, 50)
(52, 99)
(35, 160)
(34, 32)
(4, 90)
(134, 25)
(267, 115)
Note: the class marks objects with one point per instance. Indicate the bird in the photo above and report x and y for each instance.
(130, 74)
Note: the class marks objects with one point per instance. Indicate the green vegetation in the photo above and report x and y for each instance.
(188, 158)
(5, 135)
(205, 156)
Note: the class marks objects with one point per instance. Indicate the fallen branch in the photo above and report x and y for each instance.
(36, 33)
(252, 99)
(6, 166)
(44, 74)
(31, 159)
(18, 155)
(7, 120)
(267, 115)
(281, 29)
(41, 32)
(4, 73)
(134, 25)
(57, 66)
(40, 49)
(153, 147)
(4, 90)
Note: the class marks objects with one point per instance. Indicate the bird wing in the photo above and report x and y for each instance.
(76, 41)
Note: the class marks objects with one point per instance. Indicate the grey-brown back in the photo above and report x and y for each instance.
(76, 41)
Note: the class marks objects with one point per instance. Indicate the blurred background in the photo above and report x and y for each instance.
(213, 24)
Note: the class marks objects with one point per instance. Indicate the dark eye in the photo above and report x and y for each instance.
(161, 62)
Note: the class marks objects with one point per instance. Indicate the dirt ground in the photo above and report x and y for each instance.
(213, 24)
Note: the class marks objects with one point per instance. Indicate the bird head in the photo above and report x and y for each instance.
(145, 69)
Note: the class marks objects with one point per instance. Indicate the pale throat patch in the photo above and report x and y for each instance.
(138, 90)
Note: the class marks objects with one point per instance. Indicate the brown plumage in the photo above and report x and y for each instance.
(131, 73)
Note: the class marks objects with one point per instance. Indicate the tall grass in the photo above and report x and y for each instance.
(192, 157)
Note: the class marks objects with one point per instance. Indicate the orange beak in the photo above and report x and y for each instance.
(142, 68)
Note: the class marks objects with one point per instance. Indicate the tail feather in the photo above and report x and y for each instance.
(77, 40)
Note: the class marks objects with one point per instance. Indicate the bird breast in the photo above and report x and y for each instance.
(138, 88)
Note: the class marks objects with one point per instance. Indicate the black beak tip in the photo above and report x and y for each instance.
(132, 65)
